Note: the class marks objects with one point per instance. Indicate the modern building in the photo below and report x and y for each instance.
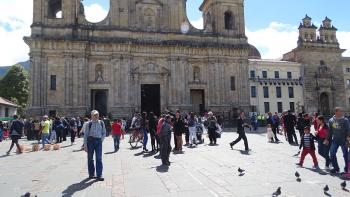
(144, 56)
(7, 108)
(275, 86)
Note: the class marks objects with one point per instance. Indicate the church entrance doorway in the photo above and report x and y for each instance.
(150, 98)
(197, 101)
(324, 104)
(99, 99)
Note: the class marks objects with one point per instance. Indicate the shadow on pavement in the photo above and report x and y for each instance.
(2, 156)
(112, 152)
(138, 154)
(149, 154)
(70, 190)
(162, 168)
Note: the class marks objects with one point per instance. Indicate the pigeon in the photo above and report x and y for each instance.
(277, 192)
(241, 170)
(343, 185)
(297, 174)
(326, 188)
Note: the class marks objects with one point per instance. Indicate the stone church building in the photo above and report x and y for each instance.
(144, 56)
(322, 67)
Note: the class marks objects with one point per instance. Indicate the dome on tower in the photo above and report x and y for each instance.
(253, 52)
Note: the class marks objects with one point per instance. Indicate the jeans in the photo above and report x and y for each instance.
(193, 135)
(45, 139)
(95, 146)
(323, 150)
(116, 139)
(145, 138)
(334, 148)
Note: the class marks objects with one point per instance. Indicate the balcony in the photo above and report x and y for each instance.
(274, 81)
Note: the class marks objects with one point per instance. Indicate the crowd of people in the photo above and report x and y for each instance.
(329, 135)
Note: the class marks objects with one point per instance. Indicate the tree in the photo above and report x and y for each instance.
(14, 86)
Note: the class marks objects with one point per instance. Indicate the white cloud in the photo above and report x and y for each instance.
(197, 23)
(15, 20)
(274, 40)
(95, 13)
(344, 41)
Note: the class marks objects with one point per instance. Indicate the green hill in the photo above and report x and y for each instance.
(4, 69)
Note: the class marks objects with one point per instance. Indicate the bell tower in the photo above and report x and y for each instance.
(224, 17)
(328, 32)
(307, 30)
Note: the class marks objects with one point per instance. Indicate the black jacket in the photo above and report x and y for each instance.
(312, 142)
(179, 126)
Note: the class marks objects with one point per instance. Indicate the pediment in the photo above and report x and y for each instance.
(154, 2)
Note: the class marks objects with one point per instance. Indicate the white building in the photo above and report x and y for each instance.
(7, 108)
(275, 86)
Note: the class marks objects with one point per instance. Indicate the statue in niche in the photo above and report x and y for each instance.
(99, 73)
(81, 9)
(196, 73)
(323, 68)
(149, 19)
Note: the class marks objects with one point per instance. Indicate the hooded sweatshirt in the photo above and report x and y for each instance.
(339, 128)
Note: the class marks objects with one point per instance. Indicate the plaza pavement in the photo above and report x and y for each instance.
(202, 171)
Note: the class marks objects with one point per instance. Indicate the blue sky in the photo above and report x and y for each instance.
(271, 25)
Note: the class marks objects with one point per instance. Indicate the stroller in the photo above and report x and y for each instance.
(200, 129)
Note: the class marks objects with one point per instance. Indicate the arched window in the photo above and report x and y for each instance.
(229, 20)
(54, 9)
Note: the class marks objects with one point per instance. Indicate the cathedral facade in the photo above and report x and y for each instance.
(144, 56)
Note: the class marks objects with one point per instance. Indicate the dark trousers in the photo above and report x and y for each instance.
(72, 136)
(291, 134)
(274, 130)
(212, 135)
(58, 136)
(187, 135)
(241, 135)
(323, 150)
(64, 134)
(165, 148)
(94, 146)
(154, 140)
(15, 139)
(305, 152)
(175, 144)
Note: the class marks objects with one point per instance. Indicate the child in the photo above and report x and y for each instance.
(116, 133)
(269, 133)
(308, 145)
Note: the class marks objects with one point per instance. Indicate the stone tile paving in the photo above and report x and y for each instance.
(202, 171)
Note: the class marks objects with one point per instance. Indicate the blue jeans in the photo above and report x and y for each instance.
(95, 146)
(116, 139)
(145, 137)
(45, 139)
(334, 149)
